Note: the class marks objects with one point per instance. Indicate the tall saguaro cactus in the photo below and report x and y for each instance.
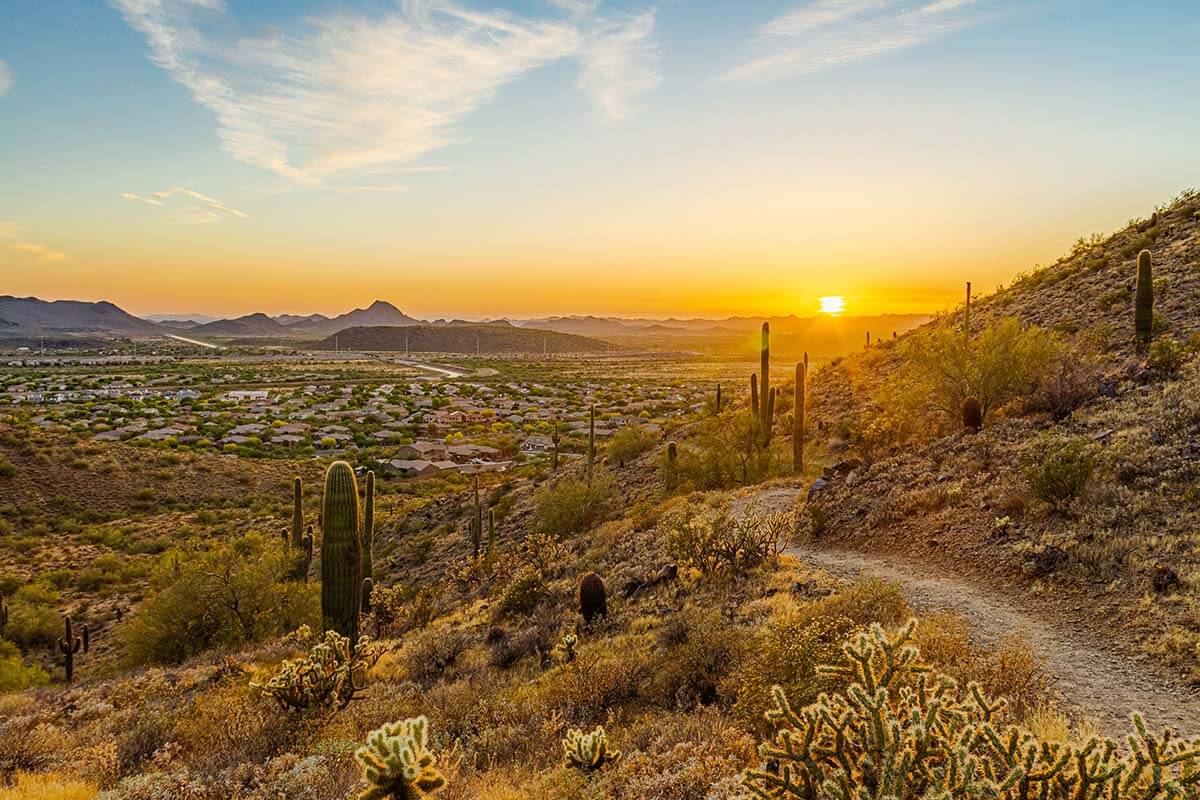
(966, 313)
(69, 645)
(297, 512)
(754, 394)
(798, 421)
(764, 385)
(368, 540)
(1143, 301)
(591, 437)
(341, 552)
(718, 406)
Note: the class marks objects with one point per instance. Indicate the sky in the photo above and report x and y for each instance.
(477, 159)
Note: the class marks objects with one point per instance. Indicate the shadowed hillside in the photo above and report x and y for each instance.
(461, 338)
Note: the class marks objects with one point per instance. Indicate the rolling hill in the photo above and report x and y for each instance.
(29, 315)
(468, 338)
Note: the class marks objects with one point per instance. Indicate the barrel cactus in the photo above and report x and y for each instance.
(593, 597)
(972, 414)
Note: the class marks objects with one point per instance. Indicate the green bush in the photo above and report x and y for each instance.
(33, 618)
(15, 675)
(629, 443)
(232, 594)
(523, 593)
(716, 540)
(1167, 356)
(572, 505)
(1059, 469)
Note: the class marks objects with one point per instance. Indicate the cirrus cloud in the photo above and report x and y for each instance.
(348, 94)
(186, 206)
(824, 34)
(13, 240)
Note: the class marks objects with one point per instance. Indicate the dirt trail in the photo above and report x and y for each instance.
(1103, 684)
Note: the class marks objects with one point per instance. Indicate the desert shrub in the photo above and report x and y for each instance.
(1071, 378)
(1059, 469)
(718, 540)
(523, 593)
(33, 618)
(225, 728)
(788, 655)
(232, 594)
(900, 732)
(864, 602)
(1167, 356)
(1002, 363)
(628, 443)
(697, 653)
(572, 505)
(47, 786)
(433, 652)
(724, 451)
(27, 746)
(16, 675)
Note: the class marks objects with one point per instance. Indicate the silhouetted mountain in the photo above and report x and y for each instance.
(380, 313)
(24, 315)
(297, 319)
(249, 325)
(461, 338)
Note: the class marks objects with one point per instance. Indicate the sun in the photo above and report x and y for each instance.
(833, 305)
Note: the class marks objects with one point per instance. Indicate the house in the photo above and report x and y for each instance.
(429, 451)
(411, 468)
(240, 395)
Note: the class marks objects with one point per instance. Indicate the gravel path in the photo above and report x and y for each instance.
(1105, 685)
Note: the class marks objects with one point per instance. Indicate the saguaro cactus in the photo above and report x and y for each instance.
(966, 314)
(798, 421)
(69, 645)
(555, 439)
(671, 476)
(769, 417)
(368, 539)
(1143, 301)
(3, 614)
(591, 437)
(718, 406)
(491, 539)
(764, 385)
(341, 552)
(297, 512)
(754, 393)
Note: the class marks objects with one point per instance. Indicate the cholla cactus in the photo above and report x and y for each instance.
(397, 763)
(566, 648)
(588, 752)
(900, 732)
(328, 676)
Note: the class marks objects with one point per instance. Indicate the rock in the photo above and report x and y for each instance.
(1165, 579)
(1044, 563)
(851, 477)
(846, 466)
(632, 587)
(667, 574)
(1103, 437)
(1107, 387)
(818, 486)
(495, 634)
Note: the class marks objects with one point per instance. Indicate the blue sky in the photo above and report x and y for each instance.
(483, 158)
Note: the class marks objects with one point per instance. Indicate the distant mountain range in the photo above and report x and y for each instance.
(30, 317)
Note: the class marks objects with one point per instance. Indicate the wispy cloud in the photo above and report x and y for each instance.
(6, 79)
(11, 239)
(187, 207)
(347, 95)
(823, 34)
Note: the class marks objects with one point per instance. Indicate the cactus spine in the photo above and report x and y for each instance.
(341, 552)
(1143, 301)
(297, 512)
(798, 421)
(69, 645)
